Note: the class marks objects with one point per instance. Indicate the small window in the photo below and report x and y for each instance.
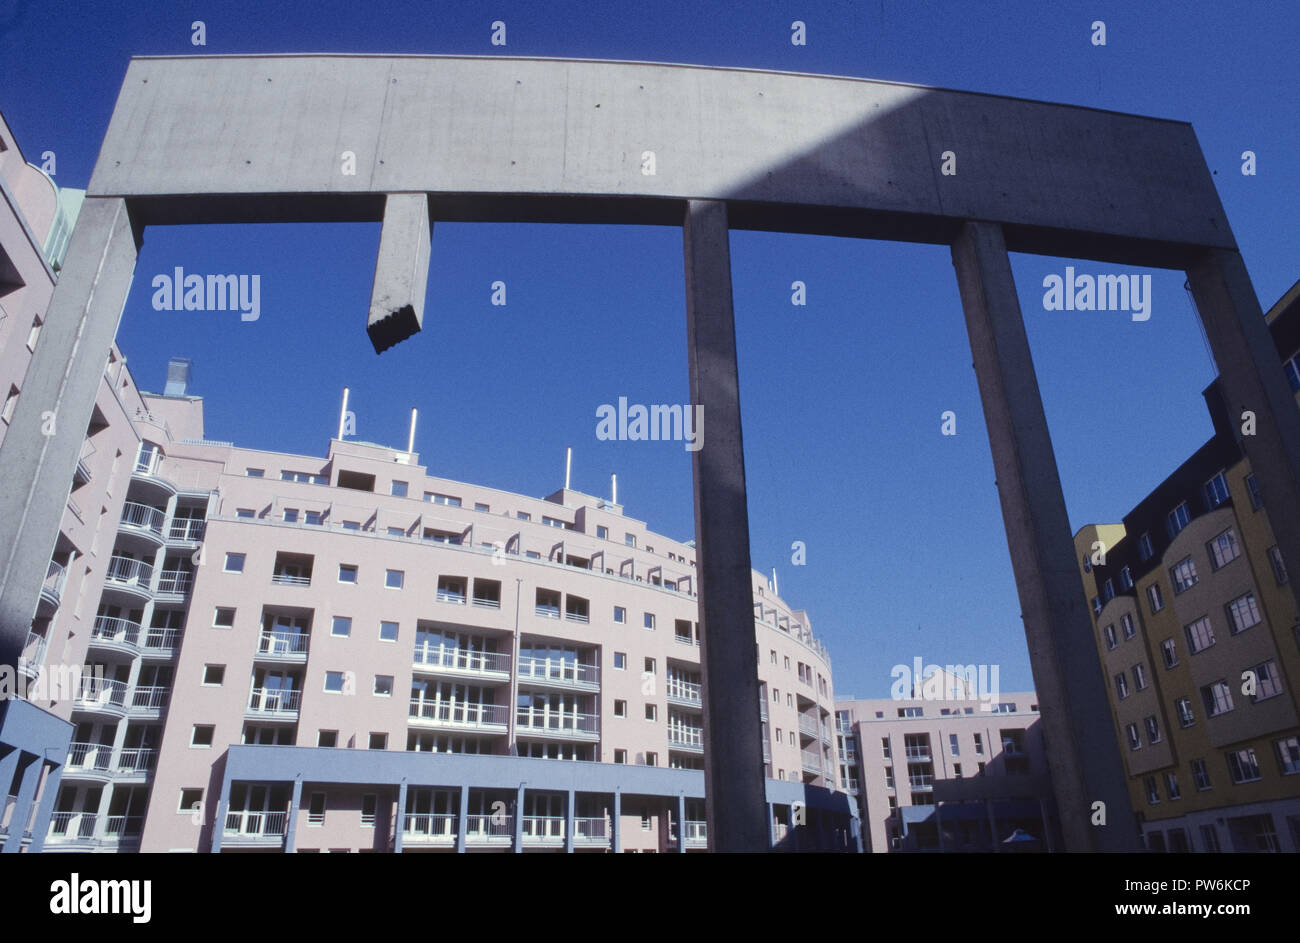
(651, 759)
(347, 573)
(651, 712)
(393, 579)
(388, 631)
(244, 512)
(396, 532)
(773, 657)
(602, 532)
(191, 801)
(649, 666)
(313, 518)
(378, 741)
(351, 525)
(481, 507)
(1155, 598)
(1125, 579)
(223, 618)
(1169, 652)
(620, 708)
(523, 516)
(369, 808)
(214, 675)
(1145, 550)
(254, 472)
(316, 809)
(234, 563)
(342, 626)
(1177, 519)
(649, 620)
(334, 682)
(201, 736)
(629, 540)
(1216, 491)
(620, 756)
(399, 489)
(620, 660)
(1252, 489)
(383, 686)
(291, 515)
(327, 738)
(1183, 575)
(620, 615)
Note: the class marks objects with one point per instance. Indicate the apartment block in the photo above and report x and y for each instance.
(1198, 633)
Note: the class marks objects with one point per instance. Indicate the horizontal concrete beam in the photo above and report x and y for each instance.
(521, 138)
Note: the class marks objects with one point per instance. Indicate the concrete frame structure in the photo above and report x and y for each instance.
(497, 139)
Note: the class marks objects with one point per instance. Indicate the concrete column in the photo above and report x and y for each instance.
(993, 822)
(31, 775)
(1251, 380)
(519, 816)
(223, 806)
(568, 822)
(60, 384)
(681, 824)
(8, 765)
(1084, 760)
(461, 821)
(291, 826)
(401, 271)
(399, 820)
(41, 824)
(616, 824)
(733, 758)
(771, 825)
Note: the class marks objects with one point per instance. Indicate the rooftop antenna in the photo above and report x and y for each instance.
(568, 466)
(613, 487)
(410, 441)
(343, 413)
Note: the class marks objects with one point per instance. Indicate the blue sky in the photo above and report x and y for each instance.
(906, 553)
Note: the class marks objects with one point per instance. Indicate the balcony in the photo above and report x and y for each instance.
(290, 579)
(460, 715)
(103, 696)
(548, 612)
(690, 739)
(463, 663)
(809, 726)
(136, 761)
(451, 594)
(120, 828)
(558, 725)
(55, 579)
(186, 530)
(115, 634)
(131, 575)
(82, 474)
(279, 703)
(72, 828)
(558, 673)
(429, 829)
(921, 782)
(89, 761)
(591, 831)
(811, 761)
(149, 699)
(175, 582)
(697, 834)
(144, 520)
(159, 642)
(282, 646)
(921, 754)
(33, 656)
(254, 828)
(486, 602)
(687, 693)
(543, 830)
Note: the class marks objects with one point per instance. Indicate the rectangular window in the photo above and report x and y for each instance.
(1121, 685)
(1134, 738)
(884, 746)
(1217, 698)
(223, 618)
(1268, 683)
(347, 573)
(1145, 550)
(1252, 489)
(481, 507)
(393, 579)
(620, 660)
(254, 472)
(620, 708)
(1186, 716)
(399, 489)
(650, 666)
(1126, 622)
(291, 515)
(1107, 591)
(1111, 641)
(649, 620)
(378, 741)
(1243, 613)
(1279, 568)
(523, 516)
(620, 615)
(1242, 766)
(1216, 491)
(214, 675)
(1200, 774)
(651, 759)
(1152, 790)
(1292, 370)
(1169, 652)
(1223, 549)
(383, 686)
(953, 745)
(388, 631)
(1155, 598)
(1183, 575)
(334, 682)
(1177, 519)
(234, 563)
(316, 809)
(1153, 728)
(327, 738)
(201, 735)
(979, 744)
(1199, 635)
(313, 518)
(243, 512)
(369, 808)
(342, 626)
(190, 799)
(629, 540)
(1288, 755)
(1125, 579)
(446, 499)
(1139, 677)
(602, 532)
(620, 756)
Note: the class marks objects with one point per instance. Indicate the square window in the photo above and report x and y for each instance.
(1217, 698)
(383, 686)
(342, 626)
(291, 515)
(347, 573)
(393, 579)
(223, 618)
(1268, 683)
(620, 708)
(327, 738)
(620, 756)
(1242, 766)
(191, 801)
(313, 517)
(620, 660)
(399, 489)
(201, 735)
(620, 615)
(388, 631)
(234, 563)
(334, 682)
(378, 741)
(214, 675)
(602, 532)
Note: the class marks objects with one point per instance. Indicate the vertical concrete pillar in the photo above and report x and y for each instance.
(519, 817)
(568, 822)
(399, 820)
(462, 822)
(291, 826)
(681, 824)
(39, 454)
(616, 823)
(29, 767)
(401, 271)
(733, 760)
(49, 792)
(771, 825)
(993, 824)
(1084, 759)
(223, 806)
(1251, 380)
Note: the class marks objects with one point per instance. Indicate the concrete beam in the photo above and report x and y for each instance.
(733, 757)
(401, 271)
(1084, 758)
(40, 450)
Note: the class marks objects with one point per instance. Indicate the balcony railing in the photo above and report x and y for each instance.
(558, 670)
(115, 631)
(586, 725)
(123, 826)
(483, 602)
(461, 659)
(187, 529)
(286, 644)
(809, 726)
(33, 656)
(157, 640)
(136, 760)
(691, 738)
(150, 698)
(101, 694)
(460, 713)
(452, 595)
(289, 579)
(175, 582)
(429, 827)
(922, 782)
(55, 578)
(274, 701)
(72, 826)
(574, 615)
(255, 825)
(90, 756)
(124, 571)
(143, 517)
(918, 753)
(542, 828)
(548, 612)
(687, 692)
(697, 834)
(812, 762)
(591, 830)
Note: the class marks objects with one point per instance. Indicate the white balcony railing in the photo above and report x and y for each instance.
(33, 656)
(429, 827)
(118, 827)
(548, 612)
(591, 830)
(558, 670)
(113, 630)
(918, 753)
(90, 756)
(489, 828)
(55, 578)
(150, 698)
(72, 826)
(460, 713)
(136, 760)
(540, 722)
(688, 737)
(143, 517)
(542, 828)
(159, 639)
(255, 825)
(686, 691)
(574, 615)
(175, 582)
(125, 571)
(812, 762)
(809, 726)
(274, 701)
(485, 603)
(283, 643)
(697, 833)
(461, 659)
(186, 529)
(102, 694)
(453, 595)
(290, 579)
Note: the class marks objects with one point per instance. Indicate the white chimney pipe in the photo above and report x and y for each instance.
(343, 412)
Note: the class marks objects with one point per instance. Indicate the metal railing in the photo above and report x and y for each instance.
(557, 669)
(160, 640)
(548, 612)
(33, 656)
(489, 827)
(55, 578)
(485, 603)
(95, 692)
(424, 826)
(461, 659)
(591, 829)
(143, 517)
(175, 582)
(679, 690)
(90, 756)
(72, 826)
(573, 615)
(274, 701)
(918, 753)
(150, 698)
(244, 824)
(187, 529)
(460, 713)
(279, 642)
(136, 760)
(557, 722)
(543, 828)
(123, 826)
(115, 630)
(452, 596)
(697, 833)
(809, 726)
(692, 737)
(129, 572)
(287, 579)
(812, 762)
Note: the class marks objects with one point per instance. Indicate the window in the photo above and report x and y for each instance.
(774, 656)
(602, 532)
(369, 806)
(1268, 683)
(388, 631)
(34, 333)
(223, 618)
(956, 770)
(1183, 575)
(1279, 568)
(1155, 598)
(1288, 755)
(523, 516)
(1153, 728)
(351, 525)
(327, 738)
(11, 401)
(393, 531)
(378, 741)
(1252, 489)
(953, 745)
(254, 472)
(1223, 549)
(189, 799)
(1145, 550)
(1216, 491)
(446, 499)
(1111, 641)
(1134, 738)
(778, 735)
(214, 675)
(1096, 605)
(1217, 698)
(1087, 563)
(383, 686)
(201, 735)
(393, 579)
(306, 477)
(1200, 774)
(1139, 677)
(399, 489)
(1169, 652)
(334, 682)
(911, 712)
(243, 512)
(1007, 708)
(979, 745)
(553, 522)
(1186, 716)
(316, 809)
(1177, 519)
(347, 573)
(884, 746)
(1121, 685)
(620, 615)
(1126, 621)
(620, 756)
(291, 515)
(1152, 790)
(1171, 787)
(313, 517)
(1125, 579)
(620, 708)
(1242, 766)
(651, 758)
(1243, 613)
(649, 666)
(620, 660)
(342, 626)
(1107, 591)
(234, 563)
(1199, 635)
(649, 620)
